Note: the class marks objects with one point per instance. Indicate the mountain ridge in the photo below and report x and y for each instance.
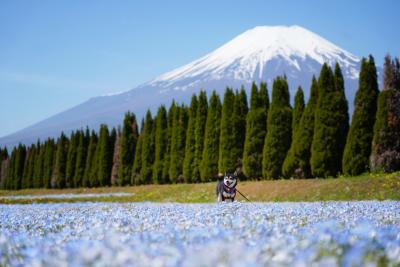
(258, 54)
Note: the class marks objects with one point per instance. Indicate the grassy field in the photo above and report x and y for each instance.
(365, 187)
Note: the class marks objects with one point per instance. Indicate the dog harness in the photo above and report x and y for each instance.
(228, 193)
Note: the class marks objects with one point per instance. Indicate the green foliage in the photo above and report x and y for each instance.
(227, 142)
(190, 147)
(331, 124)
(80, 159)
(104, 151)
(358, 145)
(129, 136)
(137, 163)
(147, 150)
(297, 161)
(167, 159)
(38, 167)
(179, 124)
(161, 143)
(71, 159)
(240, 111)
(256, 129)
(279, 135)
(90, 160)
(385, 154)
(298, 110)
(209, 163)
(200, 127)
(58, 179)
(48, 162)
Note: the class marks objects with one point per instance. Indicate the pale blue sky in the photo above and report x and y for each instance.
(56, 54)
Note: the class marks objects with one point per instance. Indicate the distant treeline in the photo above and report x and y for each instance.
(194, 143)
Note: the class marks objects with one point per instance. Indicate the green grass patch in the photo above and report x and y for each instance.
(364, 187)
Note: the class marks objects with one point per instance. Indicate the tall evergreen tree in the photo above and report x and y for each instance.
(137, 163)
(147, 150)
(297, 162)
(358, 145)
(3, 166)
(58, 178)
(71, 159)
(209, 163)
(178, 137)
(201, 117)
(27, 175)
(129, 137)
(385, 154)
(38, 168)
(227, 143)
(167, 159)
(161, 142)
(240, 110)
(104, 153)
(81, 154)
(331, 124)
(116, 158)
(190, 147)
(341, 114)
(297, 113)
(9, 180)
(90, 160)
(50, 152)
(279, 135)
(298, 109)
(256, 129)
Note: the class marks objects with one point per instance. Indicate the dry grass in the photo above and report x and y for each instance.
(371, 186)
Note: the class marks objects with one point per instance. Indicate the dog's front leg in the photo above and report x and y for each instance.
(219, 199)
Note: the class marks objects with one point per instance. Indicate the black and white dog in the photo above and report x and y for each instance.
(226, 188)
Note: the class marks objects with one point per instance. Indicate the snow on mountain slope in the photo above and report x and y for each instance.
(259, 54)
(246, 56)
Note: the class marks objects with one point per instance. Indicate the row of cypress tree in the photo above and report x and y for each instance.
(194, 143)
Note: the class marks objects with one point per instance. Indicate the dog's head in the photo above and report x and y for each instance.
(230, 180)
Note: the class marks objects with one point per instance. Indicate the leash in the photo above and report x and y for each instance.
(243, 195)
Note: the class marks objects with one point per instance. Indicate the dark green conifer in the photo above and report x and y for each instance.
(279, 135)
(297, 162)
(358, 145)
(147, 150)
(240, 111)
(385, 155)
(81, 154)
(71, 159)
(137, 163)
(256, 129)
(58, 178)
(167, 159)
(38, 168)
(104, 153)
(209, 163)
(161, 143)
(50, 152)
(178, 137)
(90, 160)
(129, 136)
(297, 109)
(331, 124)
(201, 118)
(190, 147)
(227, 160)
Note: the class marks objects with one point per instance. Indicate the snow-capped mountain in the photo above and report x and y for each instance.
(259, 54)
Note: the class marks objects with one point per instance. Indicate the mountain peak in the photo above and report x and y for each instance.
(258, 54)
(247, 56)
